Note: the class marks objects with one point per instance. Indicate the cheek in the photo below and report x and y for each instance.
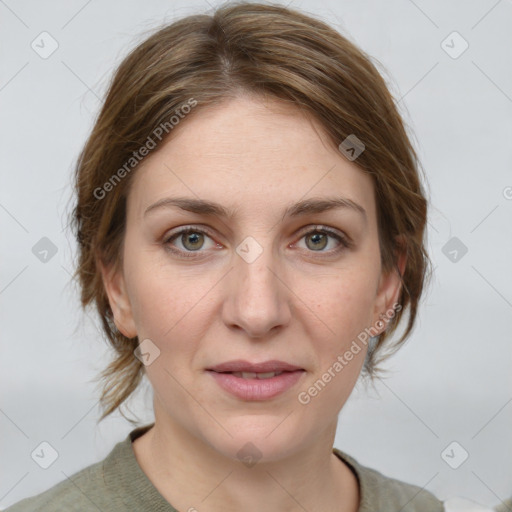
(163, 310)
(343, 307)
(168, 314)
(342, 303)
(166, 306)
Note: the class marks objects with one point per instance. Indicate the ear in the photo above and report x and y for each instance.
(388, 292)
(115, 287)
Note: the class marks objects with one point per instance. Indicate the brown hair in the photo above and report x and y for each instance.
(268, 50)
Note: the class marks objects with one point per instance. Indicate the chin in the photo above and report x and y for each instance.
(257, 439)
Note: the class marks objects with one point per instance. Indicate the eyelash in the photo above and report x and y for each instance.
(345, 243)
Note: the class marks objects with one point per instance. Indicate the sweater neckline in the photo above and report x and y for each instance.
(122, 471)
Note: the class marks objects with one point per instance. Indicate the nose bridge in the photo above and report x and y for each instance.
(257, 268)
(258, 299)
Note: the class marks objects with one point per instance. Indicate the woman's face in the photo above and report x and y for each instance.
(269, 282)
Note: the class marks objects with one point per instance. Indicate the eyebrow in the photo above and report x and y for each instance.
(308, 206)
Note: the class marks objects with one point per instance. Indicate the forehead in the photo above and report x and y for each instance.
(249, 152)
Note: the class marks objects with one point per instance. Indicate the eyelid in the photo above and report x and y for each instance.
(331, 231)
(189, 227)
(175, 233)
(344, 240)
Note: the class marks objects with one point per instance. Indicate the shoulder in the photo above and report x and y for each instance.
(82, 491)
(115, 483)
(379, 492)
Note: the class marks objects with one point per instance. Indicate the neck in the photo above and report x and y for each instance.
(193, 476)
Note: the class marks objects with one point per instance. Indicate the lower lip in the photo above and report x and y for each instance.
(256, 389)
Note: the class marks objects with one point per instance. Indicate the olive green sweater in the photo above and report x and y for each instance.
(118, 483)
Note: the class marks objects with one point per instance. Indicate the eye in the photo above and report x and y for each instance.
(191, 239)
(317, 239)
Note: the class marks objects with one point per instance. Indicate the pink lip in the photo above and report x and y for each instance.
(256, 389)
(240, 365)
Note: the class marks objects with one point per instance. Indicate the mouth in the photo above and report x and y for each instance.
(254, 375)
(242, 366)
(256, 381)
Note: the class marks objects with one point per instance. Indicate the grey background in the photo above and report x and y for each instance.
(451, 381)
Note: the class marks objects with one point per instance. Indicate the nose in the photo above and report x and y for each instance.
(257, 294)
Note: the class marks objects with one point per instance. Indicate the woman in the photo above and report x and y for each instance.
(251, 223)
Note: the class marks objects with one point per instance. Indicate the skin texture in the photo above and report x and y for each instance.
(297, 302)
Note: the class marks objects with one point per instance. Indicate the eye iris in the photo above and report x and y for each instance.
(193, 238)
(316, 237)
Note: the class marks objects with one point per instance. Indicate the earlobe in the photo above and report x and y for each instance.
(115, 288)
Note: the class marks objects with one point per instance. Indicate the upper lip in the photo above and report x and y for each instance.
(240, 365)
